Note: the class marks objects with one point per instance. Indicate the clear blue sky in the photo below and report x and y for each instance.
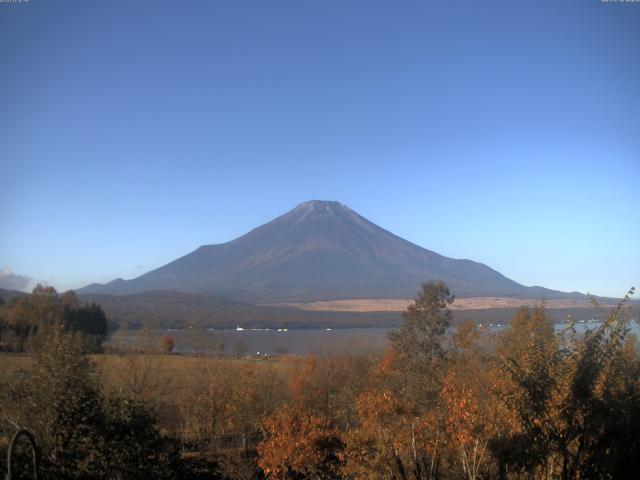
(132, 132)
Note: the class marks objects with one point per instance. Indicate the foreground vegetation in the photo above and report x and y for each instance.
(527, 403)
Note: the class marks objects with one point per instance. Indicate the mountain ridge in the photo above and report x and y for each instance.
(320, 250)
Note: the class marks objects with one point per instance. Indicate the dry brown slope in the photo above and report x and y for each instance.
(398, 305)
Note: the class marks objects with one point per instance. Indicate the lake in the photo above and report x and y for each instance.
(293, 341)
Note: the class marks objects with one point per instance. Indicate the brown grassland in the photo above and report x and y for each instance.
(470, 303)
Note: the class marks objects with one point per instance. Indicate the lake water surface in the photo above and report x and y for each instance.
(293, 341)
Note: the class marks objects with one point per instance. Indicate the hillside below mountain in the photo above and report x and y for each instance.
(170, 309)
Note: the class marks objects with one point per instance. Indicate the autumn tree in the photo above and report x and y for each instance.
(394, 440)
(329, 385)
(204, 402)
(472, 414)
(466, 426)
(299, 445)
(576, 407)
(320, 412)
(395, 437)
(167, 343)
(26, 316)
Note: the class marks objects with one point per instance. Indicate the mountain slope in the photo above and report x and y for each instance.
(317, 251)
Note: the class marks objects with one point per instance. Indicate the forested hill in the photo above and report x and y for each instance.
(178, 309)
(8, 295)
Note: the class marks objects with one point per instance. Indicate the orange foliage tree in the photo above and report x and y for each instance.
(299, 445)
(466, 429)
(395, 438)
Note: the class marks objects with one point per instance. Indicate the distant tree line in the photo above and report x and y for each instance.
(25, 319)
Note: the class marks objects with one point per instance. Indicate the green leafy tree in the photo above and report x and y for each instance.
(90, 320)
(61, 402)
(130, 446)
(419, 342)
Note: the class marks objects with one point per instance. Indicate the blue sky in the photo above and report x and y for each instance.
(503, 132)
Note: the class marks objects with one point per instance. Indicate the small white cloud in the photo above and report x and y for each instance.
(11, 281)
